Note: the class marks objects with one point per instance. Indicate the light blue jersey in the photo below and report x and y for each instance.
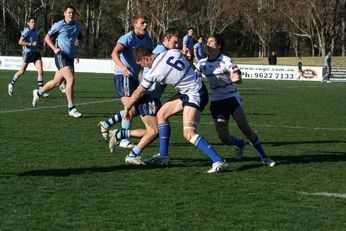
(30, 36)
(131, 41)
(157, 89)
(200, 50)
(188, 40)
(66, 35)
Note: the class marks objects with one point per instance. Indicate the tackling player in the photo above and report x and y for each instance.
(147, 108)
(172, 68)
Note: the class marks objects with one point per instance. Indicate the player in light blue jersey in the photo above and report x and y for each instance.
(127, 71)
(172, 68)
(68, 33)
(223, 75)
(31, 54)
(188, 44)
(198, 49)
(147, 108)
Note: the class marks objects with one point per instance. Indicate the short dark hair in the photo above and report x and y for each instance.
(190, 28)
(31, 17)
(141, 52)
(219, 39)
(68, 7)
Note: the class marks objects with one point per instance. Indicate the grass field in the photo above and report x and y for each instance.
(56, 173)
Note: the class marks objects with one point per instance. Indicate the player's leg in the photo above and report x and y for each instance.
(58, 78)
(171, 107)
(225, 137)
(221, 111)
(124, 87)
(191, 117)
(16, 76)
(151, 131)
(67, 73)
(240, 118)
(106, 125)
(147, 108)
(39, 68)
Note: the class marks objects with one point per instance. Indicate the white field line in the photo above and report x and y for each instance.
(325, 194)
(172, 121)
(56, 106)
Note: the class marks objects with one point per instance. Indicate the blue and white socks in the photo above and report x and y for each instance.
(114, 119)
(14, 79)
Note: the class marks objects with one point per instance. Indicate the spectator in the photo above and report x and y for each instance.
(328, 65)
(300, 66)
(272, 59)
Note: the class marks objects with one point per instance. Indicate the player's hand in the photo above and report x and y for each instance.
(33, 44)
(235, 77)
(57, 50)
(127, 115)
(125, 72)
(77, 43)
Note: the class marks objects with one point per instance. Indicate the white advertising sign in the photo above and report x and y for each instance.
(270, 72)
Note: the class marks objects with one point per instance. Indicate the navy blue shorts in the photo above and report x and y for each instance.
(31, 57)
(62, 60)
(148, 105)
(125, 86)
(223, 109)
(197, 101)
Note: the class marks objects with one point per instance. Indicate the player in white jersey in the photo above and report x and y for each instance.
(147, 107)
(223, 75)
(172, 68)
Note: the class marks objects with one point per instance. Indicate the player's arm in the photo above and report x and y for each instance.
(22, 42)
(235, 74)
(116, 58)
(195, 53)
(135, 97)
(48, 39)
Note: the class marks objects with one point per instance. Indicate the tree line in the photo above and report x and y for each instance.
(251, 28)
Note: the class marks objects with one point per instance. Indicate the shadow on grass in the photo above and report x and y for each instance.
(179, 162)
(62, 172)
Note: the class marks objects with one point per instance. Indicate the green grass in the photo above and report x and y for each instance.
(57, 174)
(337, 61)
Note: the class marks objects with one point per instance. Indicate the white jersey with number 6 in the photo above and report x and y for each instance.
(172, 68)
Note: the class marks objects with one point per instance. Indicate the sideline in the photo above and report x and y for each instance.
(325, 194)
